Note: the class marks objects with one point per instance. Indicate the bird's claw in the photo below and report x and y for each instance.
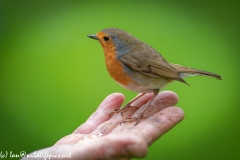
(117, 110)
(121, 110)
(137, 119)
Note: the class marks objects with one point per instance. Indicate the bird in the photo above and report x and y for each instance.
(138, 67)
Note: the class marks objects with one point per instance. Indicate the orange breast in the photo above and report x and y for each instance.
(115, 67)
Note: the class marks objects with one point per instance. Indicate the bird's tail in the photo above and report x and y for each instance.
(185, 72)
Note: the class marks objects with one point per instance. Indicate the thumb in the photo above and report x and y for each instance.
(113, 146)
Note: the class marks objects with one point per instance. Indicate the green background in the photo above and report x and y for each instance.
(52, 77)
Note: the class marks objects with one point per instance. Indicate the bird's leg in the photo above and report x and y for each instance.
(140, 115)
(127, 106)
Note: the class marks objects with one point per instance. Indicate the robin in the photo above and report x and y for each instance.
(139, 67)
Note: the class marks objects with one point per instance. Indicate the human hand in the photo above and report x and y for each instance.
(101, 137)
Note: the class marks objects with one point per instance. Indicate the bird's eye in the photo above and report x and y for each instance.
(106, 38)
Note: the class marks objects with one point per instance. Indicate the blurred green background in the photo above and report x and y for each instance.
(53, 77)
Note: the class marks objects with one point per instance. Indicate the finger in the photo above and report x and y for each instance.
(110, 147)
(162, 122)
(102, 113)
(155, 126)
(116, 119)
(128, 113)
(162, 100)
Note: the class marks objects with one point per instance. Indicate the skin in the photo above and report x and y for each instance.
(116, 141)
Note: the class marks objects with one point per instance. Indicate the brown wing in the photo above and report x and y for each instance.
(149, 62)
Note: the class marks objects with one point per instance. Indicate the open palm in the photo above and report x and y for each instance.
(102, 137)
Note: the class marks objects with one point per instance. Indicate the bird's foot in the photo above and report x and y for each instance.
(121, 110)
(137, 119)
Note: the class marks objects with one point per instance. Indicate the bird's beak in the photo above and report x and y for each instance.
(93, 36)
